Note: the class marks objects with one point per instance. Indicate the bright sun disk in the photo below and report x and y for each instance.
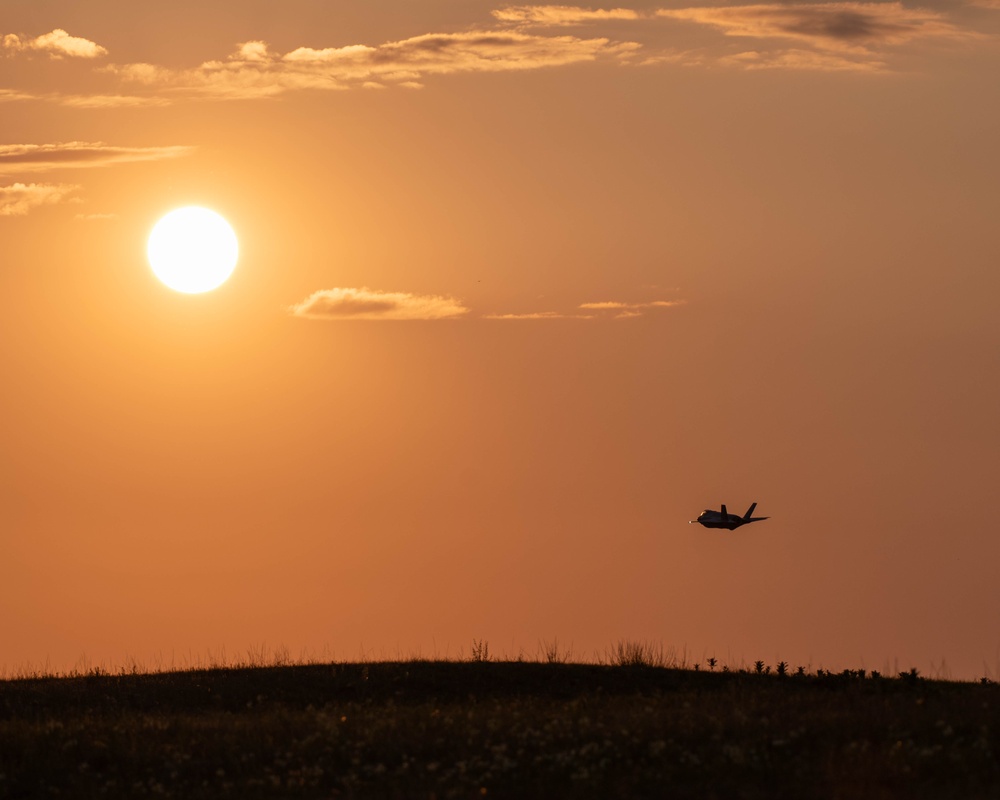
(192, 250)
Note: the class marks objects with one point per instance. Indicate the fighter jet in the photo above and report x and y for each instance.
(723, 519)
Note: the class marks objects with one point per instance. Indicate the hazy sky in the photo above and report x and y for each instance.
(522, 289)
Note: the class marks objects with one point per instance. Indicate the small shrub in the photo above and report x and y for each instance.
(782, 669)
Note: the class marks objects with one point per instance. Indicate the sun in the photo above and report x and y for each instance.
(192, 250)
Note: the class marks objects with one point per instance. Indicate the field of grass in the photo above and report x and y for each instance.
(435, 729)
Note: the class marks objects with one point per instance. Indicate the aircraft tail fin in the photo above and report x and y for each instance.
(723, 511)
(750, 511)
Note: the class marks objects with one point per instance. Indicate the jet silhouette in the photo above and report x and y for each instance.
(723, 519)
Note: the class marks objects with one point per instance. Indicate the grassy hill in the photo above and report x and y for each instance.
(496, 729)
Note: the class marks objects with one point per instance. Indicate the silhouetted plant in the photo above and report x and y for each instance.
(712, 662)
(628, 653)
(782, 668)
(800, 670)
(480, 650)
(551, 653)
(758, 667)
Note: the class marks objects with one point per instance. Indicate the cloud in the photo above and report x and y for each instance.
(252, 51)
(843, 26)
(683, 58)
(85, 100)
(41, 157)
(19, 198)
(447, 53)
(539, 315)
(828, 36)
(615, 305)
(802, 60)
(365, 303)
(107, 100)
(620, 310)
(9, 95)
(561, 15)
(90, 217)
(630, 310)
(227, 80)
(253, 71)
(57, 44)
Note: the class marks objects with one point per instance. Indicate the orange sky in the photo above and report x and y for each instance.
(522, 290)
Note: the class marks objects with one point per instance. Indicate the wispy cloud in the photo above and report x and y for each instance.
(827, 36)
(798, 59)
(596, 310)
(254, 71)
(620, 310)
(538, 315)
(843, 26)
(10, 95)
(106, 100)
(85, 100)
(19, 198)
(615, 305)
(57, 44)
(446, 53)
(365, 303)
(371, 304)
(562, 15)
(41, 157)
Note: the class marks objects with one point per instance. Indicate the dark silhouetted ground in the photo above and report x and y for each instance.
(463, 730)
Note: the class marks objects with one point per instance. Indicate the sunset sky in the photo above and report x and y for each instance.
(521, 290)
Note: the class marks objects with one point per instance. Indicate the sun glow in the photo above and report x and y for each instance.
(192, 250)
